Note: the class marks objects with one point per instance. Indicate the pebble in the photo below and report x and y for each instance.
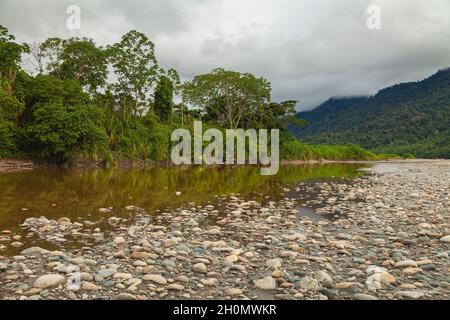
(49, 281)
(119, 241)
(324, 279)
(88, 286)
(273, 263)
(125, 296)
(232, 258)
(155, 278)
(413, 295)
(16, 244)
(233, 292)
(267, 246)
(199, 268)
(122, 276)
(309, 283)
(174, 286)
(267, 283)
(362, 296)
(405, 263)
(106, 273)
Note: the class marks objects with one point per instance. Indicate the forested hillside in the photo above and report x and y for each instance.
(408, 118)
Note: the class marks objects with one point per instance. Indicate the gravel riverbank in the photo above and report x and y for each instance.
(390, 239)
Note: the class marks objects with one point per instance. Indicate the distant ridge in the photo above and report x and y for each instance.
(406, 118)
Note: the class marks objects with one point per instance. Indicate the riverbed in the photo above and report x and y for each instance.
(334, 231)
(91, 197)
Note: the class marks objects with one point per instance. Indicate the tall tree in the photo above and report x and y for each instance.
(10, 58)
(164, 98)
(228, 96)
(77, 59)
(37, 53)
(136, 68)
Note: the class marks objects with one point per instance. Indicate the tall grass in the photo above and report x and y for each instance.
(296, 150)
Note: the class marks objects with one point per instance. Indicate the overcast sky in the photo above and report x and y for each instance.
(310, 50)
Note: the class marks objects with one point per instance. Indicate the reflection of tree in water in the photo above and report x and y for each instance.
(78, 193)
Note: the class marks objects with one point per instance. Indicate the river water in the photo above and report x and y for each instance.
(96, 195)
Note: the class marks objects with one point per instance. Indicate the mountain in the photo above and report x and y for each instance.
(407, 118)
(329, 109)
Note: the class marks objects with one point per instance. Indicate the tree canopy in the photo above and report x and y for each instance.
(84, 100)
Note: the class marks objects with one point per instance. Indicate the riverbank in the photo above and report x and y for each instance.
(390, 240)
(293, 152)
(17, 164)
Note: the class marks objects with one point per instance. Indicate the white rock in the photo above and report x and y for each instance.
(267, 283)
(175, 287)
(199, 268)
(209, 282)
(375, 269)
(122, 276)
(49, 281)
(119, 241)
(232, 258)
(88, 286)
(309, 283)
(155, 278)
(325, 279)
(405, 264)
(273, 263)
(33, 250)
(233, 292)
(410, 294)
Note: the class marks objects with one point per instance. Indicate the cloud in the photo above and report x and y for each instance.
(308, 49)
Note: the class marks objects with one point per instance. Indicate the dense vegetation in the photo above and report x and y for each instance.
(410, 118)
(107, 103)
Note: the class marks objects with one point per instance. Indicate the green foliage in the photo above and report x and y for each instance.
(292, 149)
(235, 100)
(59, 132)
(10, 53)
(142, 138)
(7, 133)
(345, 152)
(44, 89)
(70, 110)
(295, 150)
(410, 118)
(77, 59)
(10, 109)
(164, 98)
(136, 68)
(228, 97)
(10, 58)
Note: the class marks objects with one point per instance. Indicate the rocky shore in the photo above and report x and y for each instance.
(389, 238)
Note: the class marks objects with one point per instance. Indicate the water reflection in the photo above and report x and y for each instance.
(78, 194)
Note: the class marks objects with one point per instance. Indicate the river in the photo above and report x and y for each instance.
(92, 196)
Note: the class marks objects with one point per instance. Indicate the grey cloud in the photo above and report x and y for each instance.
(308, 49)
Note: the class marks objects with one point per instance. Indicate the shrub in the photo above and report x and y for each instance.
(58, 132)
